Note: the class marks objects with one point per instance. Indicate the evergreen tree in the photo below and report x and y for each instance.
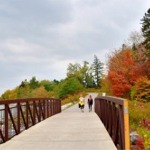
(146, 30)
(97, 70)
(34, 83)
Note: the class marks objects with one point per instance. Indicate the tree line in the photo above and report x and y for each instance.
(79, 77)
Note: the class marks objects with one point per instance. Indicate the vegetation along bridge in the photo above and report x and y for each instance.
(39, 123)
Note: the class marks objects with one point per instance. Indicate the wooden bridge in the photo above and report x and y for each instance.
(47, 128)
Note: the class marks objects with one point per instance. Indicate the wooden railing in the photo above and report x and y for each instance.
(21, 114)
(113, 112)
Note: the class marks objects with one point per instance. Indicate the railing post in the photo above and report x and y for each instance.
(34, 109)
(27, 118)
(52, 104)
(6, 122)
(126, 125)
(48, 108)
(51, 111)
(40, 111)
(44, 109)
(18, 117)
(59, 105)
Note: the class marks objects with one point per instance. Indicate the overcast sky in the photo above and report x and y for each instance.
(41, 37)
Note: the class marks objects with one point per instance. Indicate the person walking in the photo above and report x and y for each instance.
(90, 103)
(81, 103)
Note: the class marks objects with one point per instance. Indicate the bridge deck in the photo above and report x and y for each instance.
(69, 130)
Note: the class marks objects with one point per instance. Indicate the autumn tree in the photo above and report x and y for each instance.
(24, 92)
(40, 92)
(105, 86)
(123, 72)
(142, 90)
(10, 94)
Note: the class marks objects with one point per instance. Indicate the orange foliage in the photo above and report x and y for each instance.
(123, 72)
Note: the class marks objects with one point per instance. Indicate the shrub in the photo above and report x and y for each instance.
(140, 122)
(142, 90)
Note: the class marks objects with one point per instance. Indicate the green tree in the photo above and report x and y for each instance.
(34, 83)
(146, 30)
(83, 73)
(48, 85)
(73, 70)
(86, 77)
(69, 86)
(97, 67)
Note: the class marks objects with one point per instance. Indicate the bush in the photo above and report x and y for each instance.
(140, 121)
(142, 90)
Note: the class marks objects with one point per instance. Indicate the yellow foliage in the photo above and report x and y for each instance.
(40, 92)
(142, 89)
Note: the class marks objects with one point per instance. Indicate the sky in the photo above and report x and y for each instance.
(41, 37)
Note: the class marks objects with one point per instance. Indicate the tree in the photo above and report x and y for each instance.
(23, 83)
(69, 86)
(97, 68)
(89, 80)
(123, 72)
(82, 73)
(146, 30)
(86, 75)
(73, 70)
(135, 39)
(40, 92)
(142, 90)
(48, 85)
(10, 94)
(34, 83)
(24, 92)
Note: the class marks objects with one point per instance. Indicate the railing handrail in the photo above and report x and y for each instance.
(113, 112)
(10, 101)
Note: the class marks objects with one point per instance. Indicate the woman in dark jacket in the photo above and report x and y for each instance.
(90, 103)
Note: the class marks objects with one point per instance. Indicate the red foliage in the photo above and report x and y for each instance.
(139, 142)
(145, 123)
(123, 72)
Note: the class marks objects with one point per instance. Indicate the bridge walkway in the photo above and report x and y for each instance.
(69, 130)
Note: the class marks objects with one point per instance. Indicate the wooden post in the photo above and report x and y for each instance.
(126, 125)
